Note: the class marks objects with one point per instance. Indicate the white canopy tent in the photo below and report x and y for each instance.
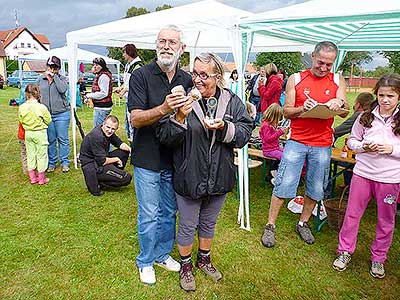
(208, 26)
(62, 53)
(354, 26)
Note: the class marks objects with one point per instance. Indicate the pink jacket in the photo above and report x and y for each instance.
(271, 92)
(371, 165)
(269, 137)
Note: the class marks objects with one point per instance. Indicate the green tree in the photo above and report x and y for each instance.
(394, 60)
(379, 72)
(357, 58)
(288, 61)
(145, 54)
(165, 6)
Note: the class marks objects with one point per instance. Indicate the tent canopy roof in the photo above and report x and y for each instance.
(368, 25)
(205, 26)
(82, 56)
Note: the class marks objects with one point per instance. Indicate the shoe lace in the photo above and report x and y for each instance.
(344, 258)
(377, 266)
(186, 272)
(206, 261)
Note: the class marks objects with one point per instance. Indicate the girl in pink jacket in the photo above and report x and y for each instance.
(375, 138)
(269, 133)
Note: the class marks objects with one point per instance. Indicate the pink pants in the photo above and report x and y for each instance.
(277, 153)
(385, 195)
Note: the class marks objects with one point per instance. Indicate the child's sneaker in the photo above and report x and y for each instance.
(342, 261)
(377, 270)
(273, 173)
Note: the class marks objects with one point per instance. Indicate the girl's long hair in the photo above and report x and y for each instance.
(273, 114)
(389, 80)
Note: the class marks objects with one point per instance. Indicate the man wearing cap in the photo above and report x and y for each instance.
(101, 94)
(53, 90)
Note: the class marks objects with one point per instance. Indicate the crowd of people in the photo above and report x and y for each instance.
(183, 129)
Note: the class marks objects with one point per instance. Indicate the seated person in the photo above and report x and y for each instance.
(100, 167)
(362, 103)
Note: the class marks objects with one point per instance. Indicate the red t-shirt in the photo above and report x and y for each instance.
(311, 131)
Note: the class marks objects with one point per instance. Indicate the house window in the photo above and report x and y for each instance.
(28, 45)
(22, 45)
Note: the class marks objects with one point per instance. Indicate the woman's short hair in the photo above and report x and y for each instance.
(218, 65)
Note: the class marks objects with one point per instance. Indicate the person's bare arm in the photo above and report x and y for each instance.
(289, 110)
(341, 98)
(125, 147)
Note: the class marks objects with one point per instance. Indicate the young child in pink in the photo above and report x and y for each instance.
(375, 138)
(269, 133)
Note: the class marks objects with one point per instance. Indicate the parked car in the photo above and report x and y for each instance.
(89, 77)
(1, 82)
(28, 76)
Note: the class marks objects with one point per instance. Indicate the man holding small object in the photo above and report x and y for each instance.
(309, 139)
(151, 97)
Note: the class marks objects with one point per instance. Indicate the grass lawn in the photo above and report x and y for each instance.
(59, 242)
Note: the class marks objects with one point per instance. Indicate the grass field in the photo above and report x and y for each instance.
(59, 242)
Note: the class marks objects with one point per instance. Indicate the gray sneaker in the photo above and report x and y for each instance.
(305, 233)
(51, 169)
(186, 277)
(377, 270)
(204, 264)
(342, 261)
(268, 237)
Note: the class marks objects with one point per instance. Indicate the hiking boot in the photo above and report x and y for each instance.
(186, 277)
(147, 275)
(204, 263)
(342, 261)
(268, 237)
(169, 264)
(305, 233)
(377, 270)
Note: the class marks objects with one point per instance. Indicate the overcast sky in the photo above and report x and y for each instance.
(55, 18)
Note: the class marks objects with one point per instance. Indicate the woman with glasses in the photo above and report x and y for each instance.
(101, 94)
(203, 135)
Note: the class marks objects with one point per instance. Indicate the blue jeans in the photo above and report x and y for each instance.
(99, 115)
(156, 215)
(317, 170)
(57, 133)
(256, 100)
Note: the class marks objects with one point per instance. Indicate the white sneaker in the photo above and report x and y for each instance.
(147, 275)
(273, 181)
(169, 264)
(273, 173)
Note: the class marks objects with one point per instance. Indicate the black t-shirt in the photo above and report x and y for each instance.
(95, 146)
(148, 87)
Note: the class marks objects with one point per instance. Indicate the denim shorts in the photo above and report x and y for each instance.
(317, 161)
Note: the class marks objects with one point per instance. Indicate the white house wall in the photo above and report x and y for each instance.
(15, 49)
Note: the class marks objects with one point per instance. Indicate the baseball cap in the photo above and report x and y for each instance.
(54, 61)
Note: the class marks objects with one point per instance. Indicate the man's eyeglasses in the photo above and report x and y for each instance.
(202, 76)
(171, 42)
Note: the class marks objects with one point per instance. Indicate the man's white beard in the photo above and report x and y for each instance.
(168, 63)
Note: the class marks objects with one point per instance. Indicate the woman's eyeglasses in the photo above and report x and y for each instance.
(202, 76)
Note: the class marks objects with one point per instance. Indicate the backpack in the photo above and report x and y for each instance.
(135, 66)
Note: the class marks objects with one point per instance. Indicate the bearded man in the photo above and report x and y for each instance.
(149, 100)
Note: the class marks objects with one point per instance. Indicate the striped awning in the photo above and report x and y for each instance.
(351, 31)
